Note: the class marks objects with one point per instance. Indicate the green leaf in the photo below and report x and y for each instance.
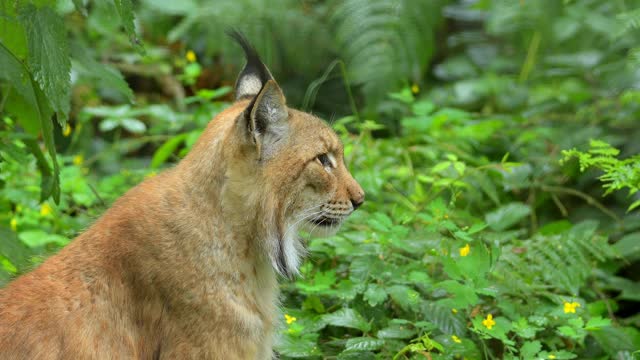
(134, 126)
(127, 17)
(613, 339)
(439, 167)
(364, 344)
(396, 332)
(568, 331)
(297, 347)
(38, 238)
(597, 323)
(313, 303)
(13, 249)
(375, 294)
(529, 349)
(347, 318)
(380, 222)
(629, 246)
(48, 57)
(506, 216)
(477, 263)
(404, 296)
(442, 316)
(463, 294)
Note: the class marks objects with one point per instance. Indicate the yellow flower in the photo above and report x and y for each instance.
(45, 209)
(551, 356)
(415, 88)
(456, 339)
(454, 310)
(289, 319)
(570, 307)
(191, 56)
(464, 251)
(67, 130)
(78, 160)
(14, 224)
(488, 322)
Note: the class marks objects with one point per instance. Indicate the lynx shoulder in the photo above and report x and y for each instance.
(185, 265)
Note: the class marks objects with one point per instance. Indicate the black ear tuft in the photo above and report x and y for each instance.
(255, 73)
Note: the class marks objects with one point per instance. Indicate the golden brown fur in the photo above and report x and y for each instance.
(184, 266)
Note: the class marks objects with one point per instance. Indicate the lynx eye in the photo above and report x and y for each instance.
(325, 160)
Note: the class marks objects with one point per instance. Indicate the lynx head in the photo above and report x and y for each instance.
(294, 164)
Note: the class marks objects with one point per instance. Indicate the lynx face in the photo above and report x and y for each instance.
(300, 166)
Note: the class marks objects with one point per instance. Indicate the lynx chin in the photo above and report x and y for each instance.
(186, 264)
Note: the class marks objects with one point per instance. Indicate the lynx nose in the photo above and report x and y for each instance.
(357, 202)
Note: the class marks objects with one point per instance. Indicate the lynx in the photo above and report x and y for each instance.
(185, 265)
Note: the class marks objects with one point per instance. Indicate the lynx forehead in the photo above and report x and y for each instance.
(184, 265)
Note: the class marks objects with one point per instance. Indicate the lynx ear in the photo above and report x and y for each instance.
(268, 119)
(255, 74)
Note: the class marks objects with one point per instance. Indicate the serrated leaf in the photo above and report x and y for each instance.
(375, 294)
(597, 323)
(364, 344)
(127, 17)
(296, 347)
(443, 318)
(419, 278)
(567, 331)
(48, 57)
(347, 318)
(22, 101)
(404, 296)
(529, 349)
(463, 295)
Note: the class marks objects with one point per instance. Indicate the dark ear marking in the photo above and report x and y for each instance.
(255, 73)
(268, 119)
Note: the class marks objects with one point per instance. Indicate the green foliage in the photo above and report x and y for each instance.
(385, 43)
(618, 174)
(35, 80)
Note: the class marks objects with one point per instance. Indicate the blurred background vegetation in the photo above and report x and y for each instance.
(496, 140)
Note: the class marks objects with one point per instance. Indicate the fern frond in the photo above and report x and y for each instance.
(629, 20)
(385, 42)
(559, 264)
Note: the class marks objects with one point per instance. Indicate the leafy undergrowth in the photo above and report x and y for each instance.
(469, 246)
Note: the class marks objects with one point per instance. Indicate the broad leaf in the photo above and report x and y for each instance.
(364, 344)
(347, 318)
(506, 216)
(48, 56)
(127, 17)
